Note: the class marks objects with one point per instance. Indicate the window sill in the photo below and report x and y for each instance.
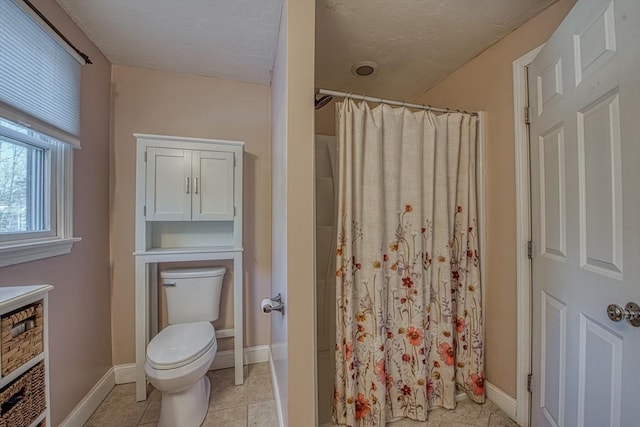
(25, 251)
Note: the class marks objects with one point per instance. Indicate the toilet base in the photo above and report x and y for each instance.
(186, 408)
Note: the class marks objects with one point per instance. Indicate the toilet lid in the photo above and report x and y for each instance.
(178, 345)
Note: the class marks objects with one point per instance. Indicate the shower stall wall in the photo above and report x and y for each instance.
(326, 164)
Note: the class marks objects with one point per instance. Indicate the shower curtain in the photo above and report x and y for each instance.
(409, 319)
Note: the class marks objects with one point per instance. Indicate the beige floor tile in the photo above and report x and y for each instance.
(227, 395)
(467, 412)
(259, 369)
(501, 419)
(128, 389)
(152, 413)
(262, 414)
(229, 417)
(222, 376)
(259, 388)
(412, 423)
(457, 423)
(121, 411)
(123, 390)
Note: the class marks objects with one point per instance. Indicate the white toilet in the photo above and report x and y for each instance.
(179, 357)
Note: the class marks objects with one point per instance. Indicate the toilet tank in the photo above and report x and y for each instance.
(192, 294)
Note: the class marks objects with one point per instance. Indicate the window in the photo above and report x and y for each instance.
(35, 195)
(39, 129)
(23, 190)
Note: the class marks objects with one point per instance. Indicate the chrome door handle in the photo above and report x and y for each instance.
(195, 182)
(186, 184)
(630, 312)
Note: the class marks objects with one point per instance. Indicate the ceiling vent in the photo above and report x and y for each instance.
(364, 68)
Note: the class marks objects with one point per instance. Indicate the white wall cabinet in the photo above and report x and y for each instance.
(189, 185)
(188, 208)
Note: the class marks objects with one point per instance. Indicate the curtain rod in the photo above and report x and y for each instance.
(389, 101)
(57, 32)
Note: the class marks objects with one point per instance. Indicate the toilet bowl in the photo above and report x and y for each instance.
(178, 359)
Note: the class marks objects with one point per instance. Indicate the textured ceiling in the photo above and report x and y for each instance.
(415, 42)
(229, 39)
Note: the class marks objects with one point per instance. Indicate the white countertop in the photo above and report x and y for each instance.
(9, 295)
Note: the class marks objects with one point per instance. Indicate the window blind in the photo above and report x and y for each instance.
(39, 79)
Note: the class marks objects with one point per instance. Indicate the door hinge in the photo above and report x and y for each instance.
(530, 249)
(529, 382)
(145, 156)
(527, 115)
(144, 211)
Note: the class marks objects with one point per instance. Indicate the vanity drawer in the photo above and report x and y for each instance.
(21, 336)
(24, 400)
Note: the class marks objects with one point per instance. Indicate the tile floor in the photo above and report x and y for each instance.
(247, 405)
(252, 404)
(466, 414)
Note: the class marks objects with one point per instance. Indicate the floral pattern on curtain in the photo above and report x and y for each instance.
(409, 319)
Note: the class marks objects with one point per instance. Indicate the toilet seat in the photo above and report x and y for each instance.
(178, 345)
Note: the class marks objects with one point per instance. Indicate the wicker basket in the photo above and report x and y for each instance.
(22, 401)
(19, 347)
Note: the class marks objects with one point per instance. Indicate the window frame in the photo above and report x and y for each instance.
(27, 246)
(43, 51)
(49, 184)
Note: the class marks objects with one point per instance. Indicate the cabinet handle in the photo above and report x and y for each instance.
(196, 184)
(187, 184)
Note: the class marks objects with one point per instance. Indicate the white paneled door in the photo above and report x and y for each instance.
(584, 96)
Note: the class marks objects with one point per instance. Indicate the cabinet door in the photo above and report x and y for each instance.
(213, 186)
(169, 186)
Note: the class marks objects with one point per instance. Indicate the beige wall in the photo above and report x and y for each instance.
(300, 212)
(148, 101)
(79, 320)
(294, 151)
(485, 83)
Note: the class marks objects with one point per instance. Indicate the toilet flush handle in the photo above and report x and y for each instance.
(169, 284)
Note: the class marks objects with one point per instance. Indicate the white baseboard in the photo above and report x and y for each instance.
(125, 373)
(87, 406)
(224, 359)
(501, 399)
(252, 355)
(276, 390)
